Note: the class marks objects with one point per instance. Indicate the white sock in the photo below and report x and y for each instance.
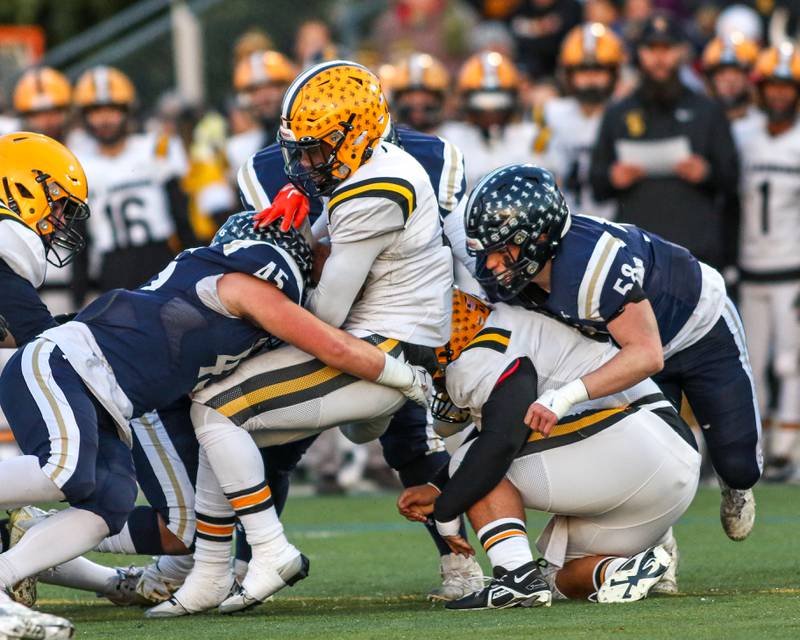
(120, 543)
(22, 482)
(782, 441)
(51, 542)
(215, 523)
(175, 568)
(505, 541)
(239, 469)
(605, 568)
(83, 574)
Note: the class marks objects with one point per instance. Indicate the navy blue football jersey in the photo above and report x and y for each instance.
(173, 335)
(22, 269)
(264, 175)
(601, 266)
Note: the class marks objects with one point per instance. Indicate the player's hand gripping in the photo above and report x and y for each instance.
(416, 503)
(289, 204)
(421, 388)
(554, 404)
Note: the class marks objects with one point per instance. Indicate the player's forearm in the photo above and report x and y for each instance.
(631, 365)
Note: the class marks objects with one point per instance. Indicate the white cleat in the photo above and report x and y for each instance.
(460, 577)
(122, 591)
(199, 593)
(17, 622)
(19, 521)
(154, 587)
(737, 511)
(634, 579)
(669, 581)
(261, 582)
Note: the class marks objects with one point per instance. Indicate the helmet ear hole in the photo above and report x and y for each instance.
(23, 190)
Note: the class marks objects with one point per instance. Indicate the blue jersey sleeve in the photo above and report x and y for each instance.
(613, 277)
(262, 260)
(25, 315)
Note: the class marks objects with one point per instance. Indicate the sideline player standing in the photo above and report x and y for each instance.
(668, 312)
(769, 260)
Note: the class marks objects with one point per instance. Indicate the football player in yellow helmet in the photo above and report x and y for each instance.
(260, 81)
(44, 187)
(332, 117)
(105, 98)
(728, 62)
(42, 99)
(777, 75)
(419, 88)
(590, 58)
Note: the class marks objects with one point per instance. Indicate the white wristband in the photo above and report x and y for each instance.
(449, 528)
(561, 400)
(395, 374)
(575, 391)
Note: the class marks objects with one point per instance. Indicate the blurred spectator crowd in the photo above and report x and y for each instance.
(675, 115)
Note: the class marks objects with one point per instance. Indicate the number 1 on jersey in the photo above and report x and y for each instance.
(764, 190)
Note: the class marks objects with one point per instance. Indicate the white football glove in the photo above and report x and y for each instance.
(421, 388)
(561, 400)
(413, 382)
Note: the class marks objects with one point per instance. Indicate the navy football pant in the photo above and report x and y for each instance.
(56, 418)
(715, 375)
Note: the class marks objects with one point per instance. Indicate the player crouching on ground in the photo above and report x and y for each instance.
(609, 521)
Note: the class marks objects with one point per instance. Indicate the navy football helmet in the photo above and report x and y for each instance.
(516, 205)
(240, 226)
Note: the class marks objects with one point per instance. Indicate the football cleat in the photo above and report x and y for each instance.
(123, 590)
(19, 521)
(198, 593)
(153, 586)
(260, 585)
(737, 511)
(523, 587)
(460, 577)
(669, 581)
(19, 622)
(634, 579)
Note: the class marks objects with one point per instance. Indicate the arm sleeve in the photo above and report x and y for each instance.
(603, 156)
(343, 276)
(612, 279)
(26, 316)
(503, 433)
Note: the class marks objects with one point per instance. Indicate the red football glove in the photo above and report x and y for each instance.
(289, 204)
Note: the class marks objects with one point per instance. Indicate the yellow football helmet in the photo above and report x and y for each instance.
(488, 71)
(468, 318)
(778, 63)
(45, 186)
(332, 117)
(591, 45)
(104, 86)
(732, 51)
(41, 89)
(420, 72)
(263, 67)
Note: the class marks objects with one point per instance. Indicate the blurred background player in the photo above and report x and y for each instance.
(42, 98)
(260, 79)
(419, 92)
(42, 101)
(728, 62)
(134, 185)
(590, 60)
(684, 202)
(769, 264)
(491, 133)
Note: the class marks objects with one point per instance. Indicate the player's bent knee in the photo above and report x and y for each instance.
(737, 464)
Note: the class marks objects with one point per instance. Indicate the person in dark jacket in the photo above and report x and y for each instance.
(687, 201)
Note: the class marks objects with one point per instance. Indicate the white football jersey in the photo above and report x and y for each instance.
(22, 248)
(749, 124)
(507, 145)
(770, 227)
(127, 197)
(407, 294)
(559, 353)
(569, 153)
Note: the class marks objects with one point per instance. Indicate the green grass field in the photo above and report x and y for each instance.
(370, 571)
